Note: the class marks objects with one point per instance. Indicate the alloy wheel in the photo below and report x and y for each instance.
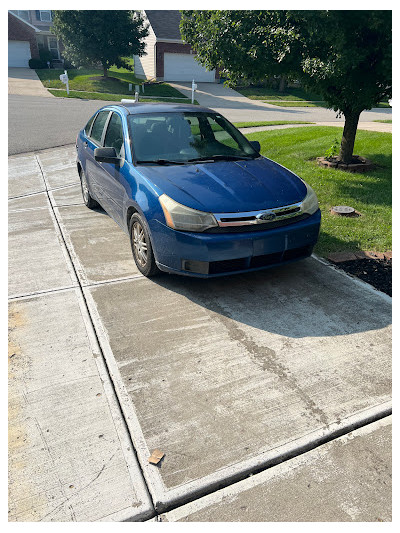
(85, 188)
(139, 244)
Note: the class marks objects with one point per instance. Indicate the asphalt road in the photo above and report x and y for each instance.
(35, 123)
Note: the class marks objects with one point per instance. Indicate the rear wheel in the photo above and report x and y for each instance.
(88, 200)
(141, 246)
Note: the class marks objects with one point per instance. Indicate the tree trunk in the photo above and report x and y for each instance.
(282, 84)
(105, 74)
(349, 136)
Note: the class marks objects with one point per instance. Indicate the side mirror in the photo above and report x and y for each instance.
(256, 146)
(106, 155)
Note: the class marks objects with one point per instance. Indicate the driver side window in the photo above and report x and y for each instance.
(114, 136)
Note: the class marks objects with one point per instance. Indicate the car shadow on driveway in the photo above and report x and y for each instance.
(304, 299)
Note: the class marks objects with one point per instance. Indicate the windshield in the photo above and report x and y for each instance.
(186, 137)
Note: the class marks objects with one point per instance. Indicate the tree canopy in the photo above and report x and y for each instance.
(346, 56)
(105, 37)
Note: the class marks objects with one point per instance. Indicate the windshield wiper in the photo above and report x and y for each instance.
(161, 161)
(220, 157)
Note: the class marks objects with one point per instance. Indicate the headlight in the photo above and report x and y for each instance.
(310, 203)
(180, 217)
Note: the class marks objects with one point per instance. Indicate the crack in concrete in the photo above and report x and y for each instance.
(264, 357)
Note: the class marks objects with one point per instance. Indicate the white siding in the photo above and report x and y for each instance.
(145, 65)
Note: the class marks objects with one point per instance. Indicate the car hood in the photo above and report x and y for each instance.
(228, 186)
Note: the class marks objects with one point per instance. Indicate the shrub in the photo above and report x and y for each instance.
(45, 55)
(37, 63)
(332, 151)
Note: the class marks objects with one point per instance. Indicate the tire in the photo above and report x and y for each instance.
(141, 246)
(87, 199)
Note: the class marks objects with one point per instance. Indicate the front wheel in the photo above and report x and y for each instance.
(141, 246)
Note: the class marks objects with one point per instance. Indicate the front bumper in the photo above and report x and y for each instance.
(217, 254)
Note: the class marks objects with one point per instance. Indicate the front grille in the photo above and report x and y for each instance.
(257, 227)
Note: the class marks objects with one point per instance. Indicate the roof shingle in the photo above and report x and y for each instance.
(165, 23)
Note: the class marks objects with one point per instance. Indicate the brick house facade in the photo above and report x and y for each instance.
(29, 32)
(19, 31)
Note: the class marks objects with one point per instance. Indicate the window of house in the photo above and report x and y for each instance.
(45, 16)
(53, 47)
(22, 14)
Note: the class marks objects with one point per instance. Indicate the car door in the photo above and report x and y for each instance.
(112, 176)
(93, 168)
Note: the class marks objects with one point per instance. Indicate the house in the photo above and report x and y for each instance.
(28, 33)
(167, 57)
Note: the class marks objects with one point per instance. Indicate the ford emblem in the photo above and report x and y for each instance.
(266, 216)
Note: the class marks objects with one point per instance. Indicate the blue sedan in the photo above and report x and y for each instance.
(193, 194)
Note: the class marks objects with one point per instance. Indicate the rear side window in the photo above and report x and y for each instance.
(114, 137)
(98, 126)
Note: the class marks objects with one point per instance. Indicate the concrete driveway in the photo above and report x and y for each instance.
(226, 377)
(237, 107)
(25, 81)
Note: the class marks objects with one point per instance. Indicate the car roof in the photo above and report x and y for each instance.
(133, 108)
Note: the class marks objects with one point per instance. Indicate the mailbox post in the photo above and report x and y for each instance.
(64, 79)
(194, 87)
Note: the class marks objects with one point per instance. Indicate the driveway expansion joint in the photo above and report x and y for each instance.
(372, 415)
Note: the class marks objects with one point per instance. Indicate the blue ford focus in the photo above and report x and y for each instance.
(193, 194)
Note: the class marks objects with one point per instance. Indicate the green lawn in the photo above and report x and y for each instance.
(269, 123)
(116, 97)
(92, 81)
(368, 193)
(384, 121)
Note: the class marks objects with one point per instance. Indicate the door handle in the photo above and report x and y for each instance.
(85, 144)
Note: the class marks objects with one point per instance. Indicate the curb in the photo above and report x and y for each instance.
(341, 257)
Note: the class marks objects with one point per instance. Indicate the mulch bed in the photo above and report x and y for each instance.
(376, 272)
(357, 164)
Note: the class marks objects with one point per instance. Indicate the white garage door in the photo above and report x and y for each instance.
(19, 53)
(184, 67)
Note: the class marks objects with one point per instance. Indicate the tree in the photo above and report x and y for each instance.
(343, 55)
(105, 37)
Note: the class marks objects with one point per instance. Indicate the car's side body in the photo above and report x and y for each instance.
(225, 188)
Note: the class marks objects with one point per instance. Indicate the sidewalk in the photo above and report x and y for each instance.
(25, 81)
(70, 455)
(237, 108)
(336, 482)
(369, 126)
